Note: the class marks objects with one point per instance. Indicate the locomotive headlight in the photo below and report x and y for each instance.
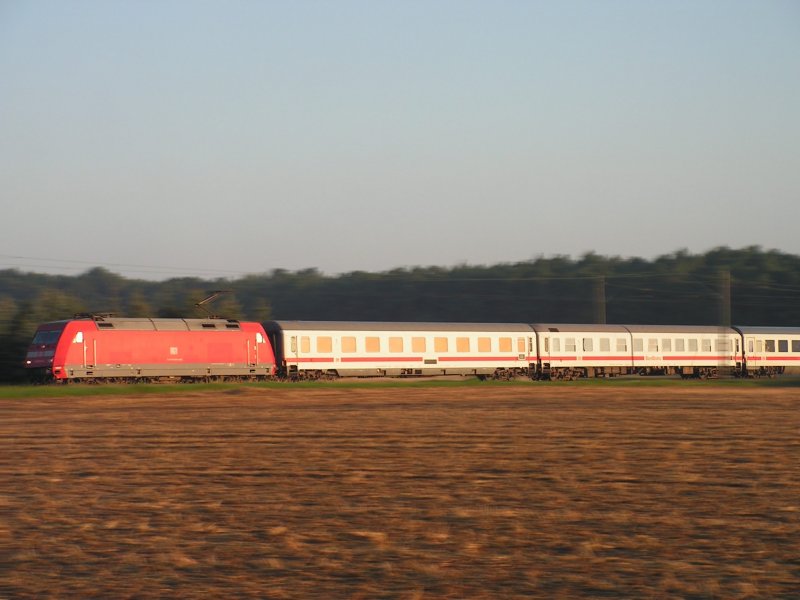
(27, 362)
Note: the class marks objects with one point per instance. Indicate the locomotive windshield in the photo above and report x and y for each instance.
(43, 338)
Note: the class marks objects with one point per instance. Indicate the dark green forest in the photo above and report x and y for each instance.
(749, 286)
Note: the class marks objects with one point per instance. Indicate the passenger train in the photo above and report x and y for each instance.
(107, 348)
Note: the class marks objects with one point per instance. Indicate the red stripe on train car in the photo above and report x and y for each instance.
(481, 358)
(352, 359)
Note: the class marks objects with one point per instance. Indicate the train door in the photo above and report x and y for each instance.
(754, 353)
(549, 347)
(87, 349)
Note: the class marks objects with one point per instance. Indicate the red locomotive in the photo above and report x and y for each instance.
(102, 348)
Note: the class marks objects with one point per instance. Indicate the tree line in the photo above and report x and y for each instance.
(749, 286)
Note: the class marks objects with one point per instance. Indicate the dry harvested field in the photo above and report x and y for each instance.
(476, 492)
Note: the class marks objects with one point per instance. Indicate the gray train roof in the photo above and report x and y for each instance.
(712, 329)
(392, 326)
(754, 330)
(577, 328)
(145, 324)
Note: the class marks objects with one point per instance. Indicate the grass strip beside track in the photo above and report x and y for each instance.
(88, 389)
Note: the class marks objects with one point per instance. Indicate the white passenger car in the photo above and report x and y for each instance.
(686, 350)
(768, 351)
(567, 351)
(314, 349)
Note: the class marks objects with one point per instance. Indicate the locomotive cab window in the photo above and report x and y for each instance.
(46, 337)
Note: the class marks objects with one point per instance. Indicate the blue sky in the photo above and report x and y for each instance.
(222, 138)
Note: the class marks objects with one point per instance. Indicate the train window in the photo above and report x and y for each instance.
(294, 344)
(78, 338)
(769, 345)
(622, 345)
(547, 344)
(638, 345)
(588, 344)
(418, 344)
(484, 344)
(680, 345)
(47, 337)
(348, 344)
(521, 345)
(605, 345)
(783, 345)
(462, 344)
(395, 344)
(693, 345)
(440, 344)
(569, 345)
(652, 345)
(759, 346)
(305, 344)
(666, 345)
(505, 344)
(795, 345)
(324, 344)
(722, 345)
(750, 346)
(556, 344)
(706, 345)
(372, 344)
